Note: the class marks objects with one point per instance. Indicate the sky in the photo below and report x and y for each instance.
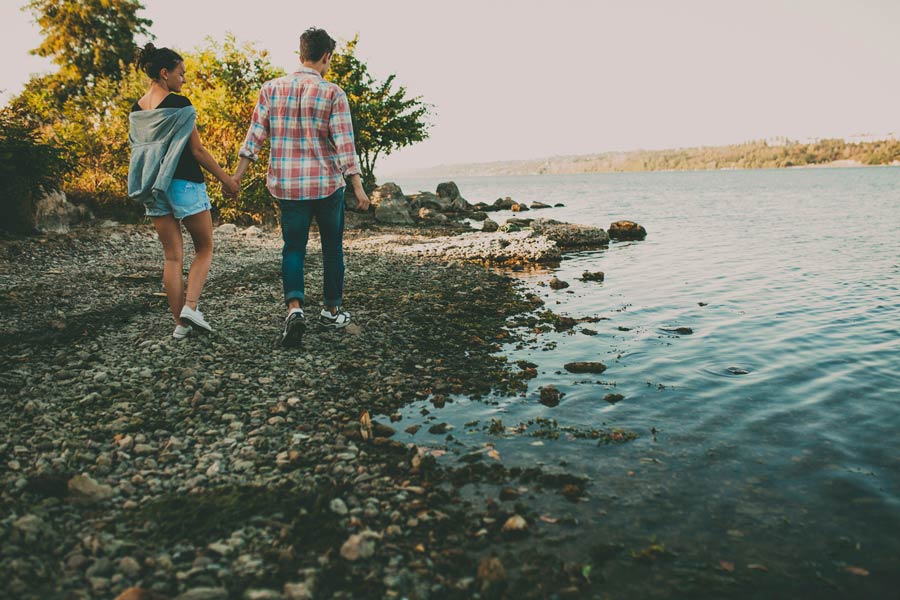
(536, 79)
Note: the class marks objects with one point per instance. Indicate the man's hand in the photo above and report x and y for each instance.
(362, 200)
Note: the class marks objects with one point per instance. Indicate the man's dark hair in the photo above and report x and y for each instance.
(314, 44)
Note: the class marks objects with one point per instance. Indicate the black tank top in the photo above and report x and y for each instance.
(188, 168)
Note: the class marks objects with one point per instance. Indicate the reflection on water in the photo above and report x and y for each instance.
(767, 437)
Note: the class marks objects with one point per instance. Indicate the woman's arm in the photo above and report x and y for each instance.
(209, 163)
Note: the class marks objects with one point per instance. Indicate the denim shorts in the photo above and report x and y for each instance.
(183, 199)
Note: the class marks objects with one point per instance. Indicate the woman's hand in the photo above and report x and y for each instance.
(230, 187)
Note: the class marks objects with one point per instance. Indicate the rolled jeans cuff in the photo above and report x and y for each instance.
(295, 295)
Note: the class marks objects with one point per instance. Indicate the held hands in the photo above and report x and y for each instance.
(231, 187)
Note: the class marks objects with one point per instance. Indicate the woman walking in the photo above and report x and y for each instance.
(164, 173)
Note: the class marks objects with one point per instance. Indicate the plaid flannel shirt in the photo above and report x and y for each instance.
(307, 121)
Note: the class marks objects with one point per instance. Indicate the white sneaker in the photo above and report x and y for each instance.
(337, 320)
(195, 318)
(181, 332)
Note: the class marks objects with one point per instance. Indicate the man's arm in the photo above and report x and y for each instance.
(257, 134)
(341, 126)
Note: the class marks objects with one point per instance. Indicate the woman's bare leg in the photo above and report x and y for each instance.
(169, 232)
(200, 228)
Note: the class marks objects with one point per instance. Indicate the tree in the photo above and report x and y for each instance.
(384, 119)
(88, 39)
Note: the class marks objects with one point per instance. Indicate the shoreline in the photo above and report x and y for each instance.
(197, 454)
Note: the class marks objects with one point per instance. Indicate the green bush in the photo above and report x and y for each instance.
(29, 166)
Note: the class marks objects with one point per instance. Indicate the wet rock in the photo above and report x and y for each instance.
(626, 230)
(738, 371)
(478, 215)
(558, 284)
(503, 203)
(595, 276)
(585, 367)
(539, 205)
(489, 226)
(570, 235)
(519, 222)
(382, 430)
(428, 200)
(550, 396)
(84, 490)
(439, 428)
(613, 398)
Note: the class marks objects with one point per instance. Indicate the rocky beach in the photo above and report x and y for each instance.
(224, 466)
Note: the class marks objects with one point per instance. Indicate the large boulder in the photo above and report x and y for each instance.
(570, 235)
(54, 214)
(393, 211)
(388, 191)
(627, 230)
(390, 205)
(430, 215)
(428, 200)
(449, 191)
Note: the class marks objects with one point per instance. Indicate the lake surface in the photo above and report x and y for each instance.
(767, 458)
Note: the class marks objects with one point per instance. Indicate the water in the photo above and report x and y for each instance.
(775, 422)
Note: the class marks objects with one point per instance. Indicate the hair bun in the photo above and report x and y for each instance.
(149, 47)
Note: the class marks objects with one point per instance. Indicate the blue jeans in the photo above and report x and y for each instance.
(296, 217)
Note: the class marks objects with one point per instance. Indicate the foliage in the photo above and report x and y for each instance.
(223, 80)
(384, 119)
(223, 83)
(28, 167)
(88, 39)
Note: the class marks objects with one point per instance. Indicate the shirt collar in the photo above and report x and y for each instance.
(308, 71)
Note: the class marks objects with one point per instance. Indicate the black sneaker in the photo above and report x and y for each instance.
(335, 321)
(292, 335)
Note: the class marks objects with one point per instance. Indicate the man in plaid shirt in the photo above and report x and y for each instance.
(307, 122)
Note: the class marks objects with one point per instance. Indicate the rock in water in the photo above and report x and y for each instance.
(595, 276)
(570, 235)
(626, 230)
(585, 367)
(558, 284)
(489, 226)
(550, 396)
(613, 398)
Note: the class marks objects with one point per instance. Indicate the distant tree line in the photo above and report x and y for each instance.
(750, 155)
(69, 129)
